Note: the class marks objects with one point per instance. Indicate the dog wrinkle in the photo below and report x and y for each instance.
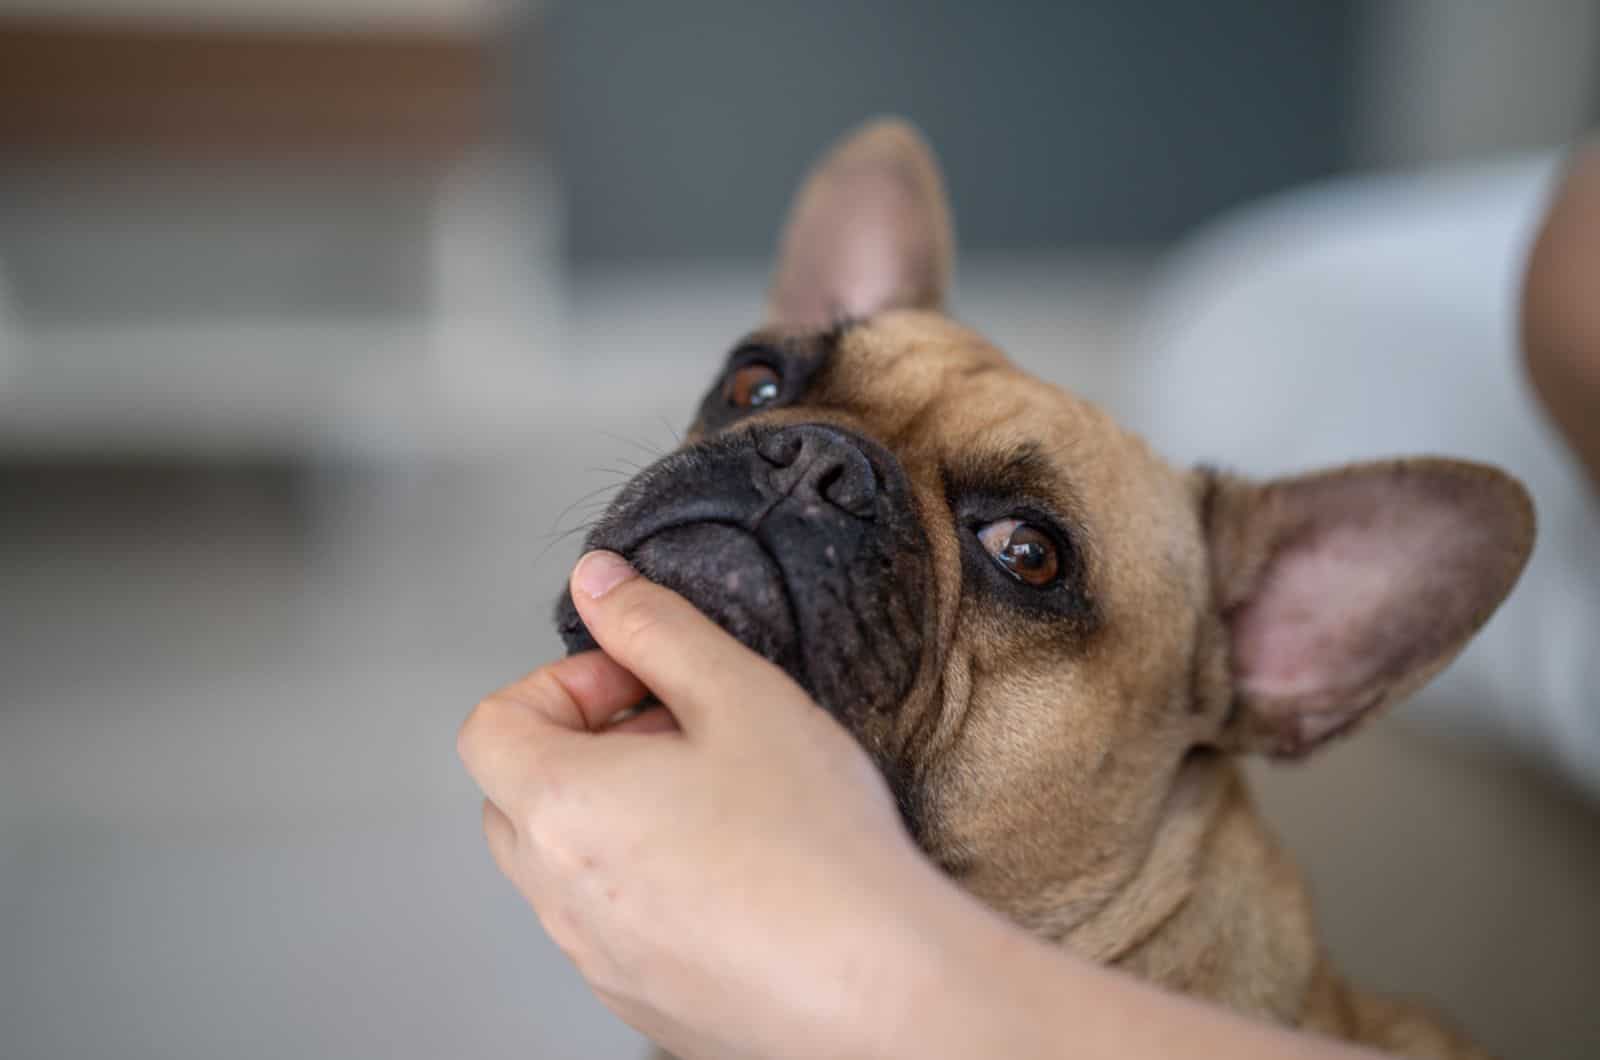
(1163, 883)
(951, 707)
(871, 643)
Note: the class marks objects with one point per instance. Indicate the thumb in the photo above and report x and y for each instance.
(688, 661)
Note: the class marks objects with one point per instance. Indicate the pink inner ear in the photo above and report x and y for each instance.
(864, 247)
(1383, 573)
(865, 258)
(870, 231)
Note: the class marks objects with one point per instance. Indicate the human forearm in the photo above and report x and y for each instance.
(1560, 317)
(985, 988)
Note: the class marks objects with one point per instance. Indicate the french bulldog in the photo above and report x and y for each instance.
(1054, 644)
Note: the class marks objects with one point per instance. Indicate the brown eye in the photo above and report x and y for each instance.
(1026, 552)
(753, 386)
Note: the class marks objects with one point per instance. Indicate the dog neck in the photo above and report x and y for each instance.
(1216, 911)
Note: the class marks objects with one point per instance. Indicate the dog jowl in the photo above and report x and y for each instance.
(1055, 644)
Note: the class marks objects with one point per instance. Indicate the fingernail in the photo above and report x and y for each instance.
(600, 572)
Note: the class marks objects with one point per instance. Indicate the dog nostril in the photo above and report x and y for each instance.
(781, 449)
(819, 464)
(850, 487)
(829, 482)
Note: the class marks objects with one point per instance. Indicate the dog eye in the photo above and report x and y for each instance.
(753, 385)
(1026, 552)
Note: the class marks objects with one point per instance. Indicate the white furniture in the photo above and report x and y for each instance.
(1377, 317)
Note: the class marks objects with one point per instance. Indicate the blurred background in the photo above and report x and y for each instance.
(321, 321)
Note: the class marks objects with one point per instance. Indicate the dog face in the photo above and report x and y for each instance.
(1047, 637)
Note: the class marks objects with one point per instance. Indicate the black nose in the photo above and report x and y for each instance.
(820, 463)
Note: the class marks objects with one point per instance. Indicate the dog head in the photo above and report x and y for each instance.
(1041, 631)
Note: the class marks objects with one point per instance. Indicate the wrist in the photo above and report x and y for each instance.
(949, 978)
(971, 983)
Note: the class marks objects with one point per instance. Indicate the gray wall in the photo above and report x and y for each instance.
(681, 127)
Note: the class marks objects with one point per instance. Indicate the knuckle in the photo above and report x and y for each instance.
(542, 688)
(514, 711)
(479, 720)
(490, 719)
(546, 777)
(541, 782)
(541, 699)
(499, 744)
(552, 843)
(562, 855)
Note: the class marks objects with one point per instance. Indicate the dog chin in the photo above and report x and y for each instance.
(727, 574)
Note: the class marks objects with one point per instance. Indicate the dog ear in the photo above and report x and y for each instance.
(870, 230)
(1343, 591)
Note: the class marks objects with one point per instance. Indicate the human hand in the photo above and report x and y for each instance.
(731, 878)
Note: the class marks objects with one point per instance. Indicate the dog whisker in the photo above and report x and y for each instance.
(555, 524)
(584, 528)
(560, 535)
(649, 450)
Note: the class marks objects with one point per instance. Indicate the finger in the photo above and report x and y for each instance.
(654, 720)
(598, 687)
(685, 658)
(514, 740)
